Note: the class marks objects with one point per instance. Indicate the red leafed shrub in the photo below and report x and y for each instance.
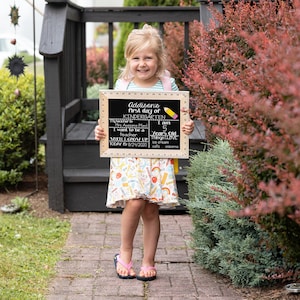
(174, 43)
(97, 65)
(173, 40)
(245, 74)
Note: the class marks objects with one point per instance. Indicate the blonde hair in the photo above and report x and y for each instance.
(139, 40)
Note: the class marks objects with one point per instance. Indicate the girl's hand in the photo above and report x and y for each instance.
(188, 127)
(99, 132)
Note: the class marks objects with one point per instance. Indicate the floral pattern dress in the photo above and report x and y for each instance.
(151, 179)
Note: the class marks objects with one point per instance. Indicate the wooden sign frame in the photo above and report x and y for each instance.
(144, 124)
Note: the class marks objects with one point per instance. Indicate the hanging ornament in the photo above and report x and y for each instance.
(16, 66)
(16, 63)
(17, 93)
(14, 15)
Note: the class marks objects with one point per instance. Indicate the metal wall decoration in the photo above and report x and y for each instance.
(14, 15)
(16, 63)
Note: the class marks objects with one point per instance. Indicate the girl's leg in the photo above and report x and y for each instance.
(129, 223)
(151, 222)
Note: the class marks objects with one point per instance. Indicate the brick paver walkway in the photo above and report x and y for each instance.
(86, 269)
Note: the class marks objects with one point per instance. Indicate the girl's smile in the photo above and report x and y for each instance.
(143, 67)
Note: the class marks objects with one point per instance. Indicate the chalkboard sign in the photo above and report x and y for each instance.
(144, 124)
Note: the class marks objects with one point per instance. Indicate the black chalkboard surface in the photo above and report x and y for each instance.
(143, 124)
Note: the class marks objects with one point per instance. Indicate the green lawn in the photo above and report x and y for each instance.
(29, 250)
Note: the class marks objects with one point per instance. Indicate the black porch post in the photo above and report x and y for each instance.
(205, 14)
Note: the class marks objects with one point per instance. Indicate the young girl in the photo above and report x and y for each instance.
(136, 192)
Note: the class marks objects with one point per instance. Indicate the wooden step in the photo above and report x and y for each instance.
(86, 190)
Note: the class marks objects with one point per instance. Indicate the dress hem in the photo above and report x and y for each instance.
(121, 203)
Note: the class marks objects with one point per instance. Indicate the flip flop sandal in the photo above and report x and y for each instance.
(117, 259)
(144, 278)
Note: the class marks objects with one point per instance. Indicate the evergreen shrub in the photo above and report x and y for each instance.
(93, 93)
(17, 124)
(234, 247)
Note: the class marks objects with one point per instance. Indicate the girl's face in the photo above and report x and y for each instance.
(143, 67)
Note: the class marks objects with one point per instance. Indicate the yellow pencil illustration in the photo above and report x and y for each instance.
(171, 113)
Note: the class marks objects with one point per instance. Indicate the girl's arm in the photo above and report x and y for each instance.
(99, 132)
